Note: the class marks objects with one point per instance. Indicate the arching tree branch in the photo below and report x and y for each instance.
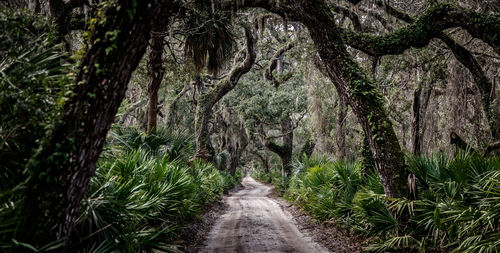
(467, 59)
(207, 100)
(428, 26)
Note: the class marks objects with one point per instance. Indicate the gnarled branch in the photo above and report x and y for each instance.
(428, 26)
(210, 98)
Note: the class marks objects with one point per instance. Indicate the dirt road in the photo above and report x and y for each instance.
(256, 223)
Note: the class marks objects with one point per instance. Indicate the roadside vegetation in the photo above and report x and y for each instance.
(456, 206)
(145, 191)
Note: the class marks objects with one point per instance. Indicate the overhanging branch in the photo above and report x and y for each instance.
(428, 26)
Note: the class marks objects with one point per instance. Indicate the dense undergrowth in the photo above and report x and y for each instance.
(457, 206)
(144, 192)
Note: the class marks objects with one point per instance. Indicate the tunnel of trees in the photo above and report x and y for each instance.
(121, 120)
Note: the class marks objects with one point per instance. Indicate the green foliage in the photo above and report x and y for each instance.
(143, 193)
(212, 43)
(20, 30)
(457, 209)
(161, 142)
(264, 103)
(326, 189)
(221, 160)
(35, 83)
(272, 177)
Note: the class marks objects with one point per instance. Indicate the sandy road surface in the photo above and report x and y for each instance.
(256, 223)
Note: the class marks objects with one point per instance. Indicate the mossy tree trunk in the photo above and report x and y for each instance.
(208, 99)
(61, 170)
(431, 24)
(351, 81)
(236, 146)
(362, 95)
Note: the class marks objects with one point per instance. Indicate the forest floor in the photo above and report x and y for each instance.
(254, 220)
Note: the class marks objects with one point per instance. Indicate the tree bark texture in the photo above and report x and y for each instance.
(61, 170)
(207, 100)
(415, 126)
(421, 97)
(155, 71)
(341, 133)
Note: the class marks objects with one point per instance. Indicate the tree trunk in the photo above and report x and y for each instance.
(236, 140)
(207, 100)
(360, 92)
(286, 166)
(471, 21)
(341, 133)
(415, 125)
(286, 157)
(480, 80)
(424, 105)
(61, 170)
(155, 71)
(421, 97)
(236, 148)
(265, 162)
(34, 5)
(284, 151)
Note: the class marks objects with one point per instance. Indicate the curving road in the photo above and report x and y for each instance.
(256, 223)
